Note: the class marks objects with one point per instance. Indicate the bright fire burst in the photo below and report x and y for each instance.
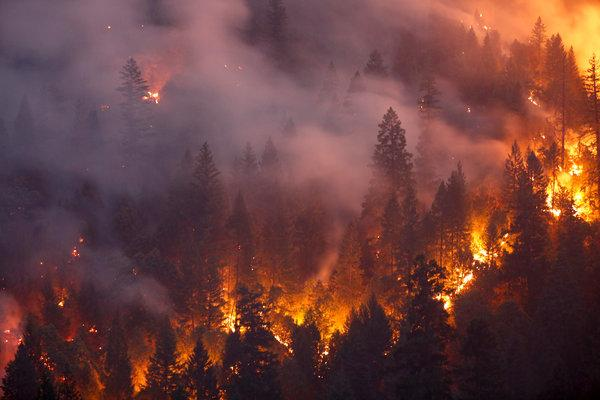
(152, 97)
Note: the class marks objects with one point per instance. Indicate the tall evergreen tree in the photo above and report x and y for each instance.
(419, 369)
(428, 109)
(20, 381)
(135, 110)
(277, 32)
(250, 365)
(329, 94)
(375, 67)
(118, 383)
(361, 356)
(162, 377)
(243, 241)
(592, 84)
(200, 375)
(478, 373)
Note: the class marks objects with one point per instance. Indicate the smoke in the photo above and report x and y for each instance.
(216, 87)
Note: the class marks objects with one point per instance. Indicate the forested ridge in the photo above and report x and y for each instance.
(138, 260)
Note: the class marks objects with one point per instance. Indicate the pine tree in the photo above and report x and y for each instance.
(270, 166)
(20, 381)
(277, 32)
(249, 162)
(347, 281)
(408, 244)
(200, 375)
(361, 353)
(46, 385)
(428, 109)
(375, 67)
(207, 210)
(392, 166)
(419, 369)
(479, 369)
(249, 364)
(242, 238)
(391, 227)
(592, 84)
(529, 219)
(162, 376)
(67, 389)
(355, 87)
(134, 109)
(299, 374)
(537, 40)
(118, 383)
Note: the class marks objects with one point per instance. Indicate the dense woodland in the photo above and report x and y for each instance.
(207, 278)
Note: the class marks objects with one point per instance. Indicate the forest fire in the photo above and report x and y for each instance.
(150, 252)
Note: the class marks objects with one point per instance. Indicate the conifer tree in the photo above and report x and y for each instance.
(366, 343)
(20, 381)
(479, 369)
(135, 111)
(347, 280)
(118, 383)
(243, 241)
(162, 376)
(419, 369)
(592, 84)
(277, 32)
(375, 67)
(537, 41)
(250, 365)
(200, 375)
(428, 109)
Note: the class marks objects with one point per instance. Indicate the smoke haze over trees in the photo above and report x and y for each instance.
(277, 199)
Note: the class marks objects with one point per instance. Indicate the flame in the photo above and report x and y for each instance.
(152, 97)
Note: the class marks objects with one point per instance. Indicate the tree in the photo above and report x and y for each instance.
(361, 355)
(46, 385)
(249, 163)
(375, 67)
(347, 281)
(200, 375)
(67, 389)
(537, 40)
(277, 35)
(242, 238)
(526, 185)
(592, 84)
(419, 364)
(270, 165)
(450, 214)
(329, 96)
(428, 109)
(391, 226)
(162, 376)
(356, 86)
(118, 383)
(479, 369)
(135, 111)
(249, 364)
(20, 381)
(391, 160)
(299, 374)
